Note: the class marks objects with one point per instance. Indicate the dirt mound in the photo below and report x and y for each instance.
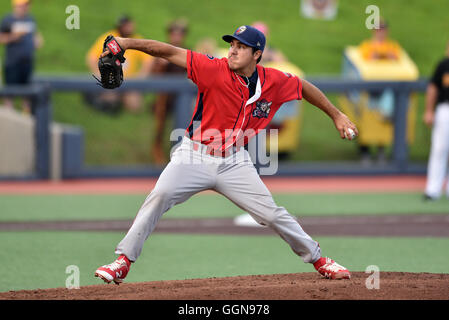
(298, 286)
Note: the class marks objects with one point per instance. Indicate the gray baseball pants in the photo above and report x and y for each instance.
(191, 171)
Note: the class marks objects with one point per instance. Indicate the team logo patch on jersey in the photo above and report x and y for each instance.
(240, 30)
(262, 109)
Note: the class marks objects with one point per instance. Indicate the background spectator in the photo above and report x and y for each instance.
(379, 47)
(176, 34)
(137, 65)
(437, 115)
(270, 54)
(208, 46)
(18, 31)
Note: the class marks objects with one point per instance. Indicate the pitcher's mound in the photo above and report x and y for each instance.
(297, 286)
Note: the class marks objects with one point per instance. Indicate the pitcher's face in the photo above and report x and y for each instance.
(240, 55)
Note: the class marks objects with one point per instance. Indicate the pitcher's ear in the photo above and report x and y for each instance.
(258, 54)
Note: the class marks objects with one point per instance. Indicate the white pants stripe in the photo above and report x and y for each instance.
(439, 153)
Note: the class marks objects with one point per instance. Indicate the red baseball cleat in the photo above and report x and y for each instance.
(331, 270)
(115, 271)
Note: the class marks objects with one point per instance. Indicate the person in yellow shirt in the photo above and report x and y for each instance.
(137, 65)
(380, 46)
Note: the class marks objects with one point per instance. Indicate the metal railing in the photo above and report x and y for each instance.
(39, 95)
(185, 90)
(401, 89)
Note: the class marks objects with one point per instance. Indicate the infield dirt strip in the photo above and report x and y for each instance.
(375, 226)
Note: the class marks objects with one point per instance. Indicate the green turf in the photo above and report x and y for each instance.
(39, 259)
(91, 207)
(421, 27)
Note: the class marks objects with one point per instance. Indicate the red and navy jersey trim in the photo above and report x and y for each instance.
(198, 116)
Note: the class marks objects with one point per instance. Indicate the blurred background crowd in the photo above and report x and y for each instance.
(321, 37)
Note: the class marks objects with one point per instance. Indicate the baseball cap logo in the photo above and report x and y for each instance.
(240, 30)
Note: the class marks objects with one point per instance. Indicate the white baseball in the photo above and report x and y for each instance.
(352, 134)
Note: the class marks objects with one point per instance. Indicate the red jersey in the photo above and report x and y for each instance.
(225, 115)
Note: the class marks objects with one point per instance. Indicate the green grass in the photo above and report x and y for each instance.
(315, 46)
(102, 131)
(39, 259)
(92, 207)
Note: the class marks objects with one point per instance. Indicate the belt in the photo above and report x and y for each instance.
(214, 152)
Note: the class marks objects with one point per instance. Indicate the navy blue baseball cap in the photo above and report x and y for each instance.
(248, 35)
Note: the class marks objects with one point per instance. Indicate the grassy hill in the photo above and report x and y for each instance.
(421, 27)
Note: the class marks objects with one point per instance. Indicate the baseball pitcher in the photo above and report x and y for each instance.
(236, 99)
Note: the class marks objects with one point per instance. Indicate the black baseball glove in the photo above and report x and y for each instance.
(110, 66)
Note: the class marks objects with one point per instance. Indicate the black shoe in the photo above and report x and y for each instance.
(426, 197)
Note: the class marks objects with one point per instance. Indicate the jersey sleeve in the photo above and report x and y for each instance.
(290, 87)
(201, 68)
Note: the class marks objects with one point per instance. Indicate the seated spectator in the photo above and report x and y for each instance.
(380, 46)
(137, 65)
(18, 31)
